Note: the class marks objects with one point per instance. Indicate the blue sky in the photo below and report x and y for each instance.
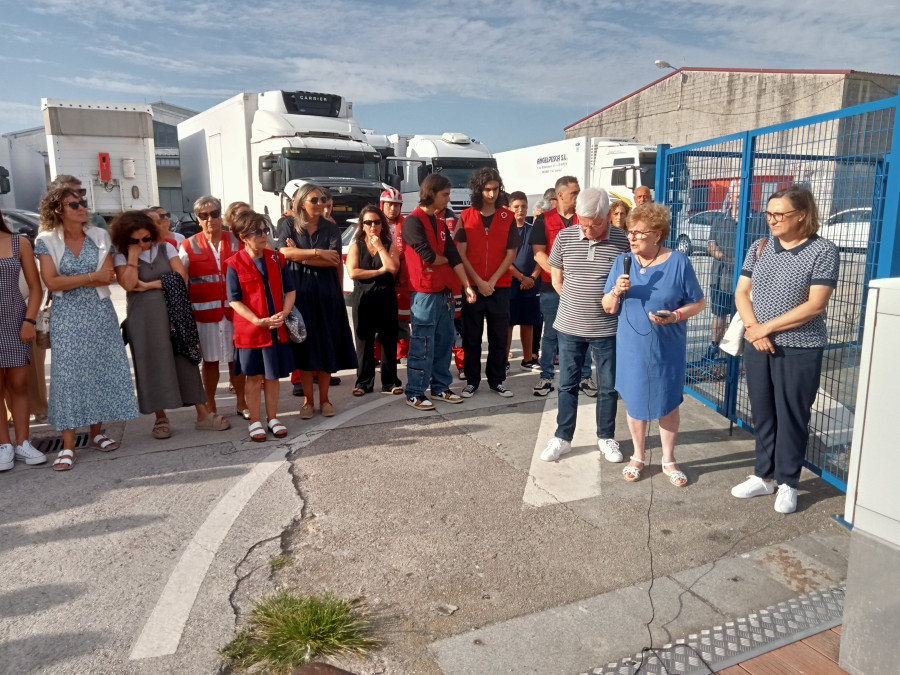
(510, 73)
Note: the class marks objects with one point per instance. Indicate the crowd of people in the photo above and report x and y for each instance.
(590, 285)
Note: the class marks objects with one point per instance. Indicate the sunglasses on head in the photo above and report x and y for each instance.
(146, 239)
(75, 205)
(317, 200)
(371, 222)
(217, 213)
(81, 191)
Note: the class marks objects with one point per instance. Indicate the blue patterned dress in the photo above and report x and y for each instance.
(90, 380)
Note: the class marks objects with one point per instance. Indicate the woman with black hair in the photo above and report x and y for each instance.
(372, 263)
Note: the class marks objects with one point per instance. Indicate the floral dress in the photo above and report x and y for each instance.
(90, 381)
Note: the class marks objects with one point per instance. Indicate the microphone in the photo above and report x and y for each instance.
(627, 265)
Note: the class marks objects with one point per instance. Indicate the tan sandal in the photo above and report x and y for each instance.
(212, 422)
(161, 428)
(676, 476)
(633, 473)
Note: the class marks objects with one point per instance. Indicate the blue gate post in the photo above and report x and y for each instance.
(889, 250)
(662, 184)
(741, 244)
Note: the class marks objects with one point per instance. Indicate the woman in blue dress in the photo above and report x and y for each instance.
(90, 381)
(654, 301)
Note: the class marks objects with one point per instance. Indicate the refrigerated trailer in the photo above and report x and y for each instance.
(250, 146)
(108, 147)
(619, 165)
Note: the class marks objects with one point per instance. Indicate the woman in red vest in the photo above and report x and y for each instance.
(261, 295)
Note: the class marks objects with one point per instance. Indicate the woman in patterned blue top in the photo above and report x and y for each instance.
(90, 381)
(792, 278)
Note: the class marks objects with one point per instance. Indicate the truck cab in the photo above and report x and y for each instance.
(453, 155)
(621, 166)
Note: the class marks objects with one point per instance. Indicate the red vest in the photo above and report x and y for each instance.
(422, 276)
(253, 294)
(553, 225)
(486, 249)
(402, 278)
(207, 279)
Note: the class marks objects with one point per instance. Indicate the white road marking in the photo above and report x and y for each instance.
(575, 475)
(163, 630)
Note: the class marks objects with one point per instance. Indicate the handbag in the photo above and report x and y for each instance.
(732, 341)
(295, 325)
(42, 324)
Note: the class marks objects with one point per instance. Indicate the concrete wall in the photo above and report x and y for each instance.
(693, 106)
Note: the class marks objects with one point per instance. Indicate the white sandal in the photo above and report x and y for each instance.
(277, 428)
(257, 427)
(104, 443)
(64, 460)
(633, 473)
(675, 476)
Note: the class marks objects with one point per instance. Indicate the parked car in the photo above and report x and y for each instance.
(694, 233)
(26, 223)
(848, 229)
(346, 239)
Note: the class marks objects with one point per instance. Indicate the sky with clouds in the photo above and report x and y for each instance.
(510, 73)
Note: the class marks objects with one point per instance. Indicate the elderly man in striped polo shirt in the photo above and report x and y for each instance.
(580, 262)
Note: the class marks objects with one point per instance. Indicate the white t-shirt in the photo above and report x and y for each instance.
(147, 256)
(176, 236)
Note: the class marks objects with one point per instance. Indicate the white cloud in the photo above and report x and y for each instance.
(124, 84)
(16, 115)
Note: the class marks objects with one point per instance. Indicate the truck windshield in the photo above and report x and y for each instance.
(312, 168)
(648, 169)
(460, 171)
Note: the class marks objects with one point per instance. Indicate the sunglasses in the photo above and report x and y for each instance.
(211, 214)
(75, 205)
(163, 214)
(317, 200)
(370, 223)
(146, 240)
(264, 232)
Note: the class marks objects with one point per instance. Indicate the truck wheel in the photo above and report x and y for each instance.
(683, 244)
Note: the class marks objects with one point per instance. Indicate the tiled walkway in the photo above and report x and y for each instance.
(815, 655)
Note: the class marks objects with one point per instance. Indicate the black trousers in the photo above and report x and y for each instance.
(495, 310)
(782, 389)
(375, 313)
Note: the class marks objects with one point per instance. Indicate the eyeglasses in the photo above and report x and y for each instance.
(162, 214)
(778, 217)
(316, 200)
(81, 203)
(637, 234)
(146, 240)
(211, 214)
(263, 232)
(370, 223)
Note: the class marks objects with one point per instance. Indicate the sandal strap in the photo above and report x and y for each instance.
(103, 441)
(65, 454)
(632, 471)
(256, 426)
(634, 459)
(275, 425)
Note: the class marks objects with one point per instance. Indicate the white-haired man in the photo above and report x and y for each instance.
(580, 262)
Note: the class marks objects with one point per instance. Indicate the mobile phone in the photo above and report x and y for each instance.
(663, 313)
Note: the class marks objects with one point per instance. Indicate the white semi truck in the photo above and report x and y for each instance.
(619, 165)
(108, 147)
(248, 147)
(454, 155)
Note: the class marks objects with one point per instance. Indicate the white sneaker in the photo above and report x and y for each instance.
(610, 450)
(29, 454)
(786, 501)
(555, 448)
(754, 486)
(6, 457)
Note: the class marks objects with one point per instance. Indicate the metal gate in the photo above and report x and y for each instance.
(717, 190)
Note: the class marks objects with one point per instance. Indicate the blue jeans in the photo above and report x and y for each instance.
(573, 353)
(549, 341)
(431, 336)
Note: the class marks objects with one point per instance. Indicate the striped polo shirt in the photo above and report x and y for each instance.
(585, 265)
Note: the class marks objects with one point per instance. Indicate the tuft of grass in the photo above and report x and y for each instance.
(285, 631)
(279, 561)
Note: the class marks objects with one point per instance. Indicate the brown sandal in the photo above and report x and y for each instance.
(161, 428)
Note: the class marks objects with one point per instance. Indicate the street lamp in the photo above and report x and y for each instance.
(664, 64)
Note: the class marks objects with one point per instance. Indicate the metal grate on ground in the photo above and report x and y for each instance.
(737, 641)
(50, 444)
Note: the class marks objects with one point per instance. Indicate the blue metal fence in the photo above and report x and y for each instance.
(717, 190)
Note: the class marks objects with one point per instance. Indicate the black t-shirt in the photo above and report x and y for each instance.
(414, 236)
(539, 232)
